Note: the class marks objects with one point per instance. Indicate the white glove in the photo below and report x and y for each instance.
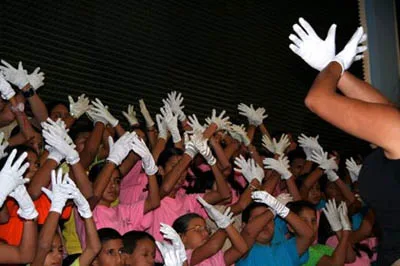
(353, 50)
(3, 146)
(148, 163)
(353, 168)
(175, 102)
(172, 123)
(284, 198)
(169, 233)
(162, 127)
(195, 125)
(18, 77)
(332, 214)
(120, 149)
(272, 202)
(54, 154)
(80, 201)
(36, 79)
(309, 144)
(26, 209)
(62, 191)
(145, 113)
(11, 176)
(281, 166)
(250, 169)
(201, 145)
(100, 110)
(131, 115)
(255, 117)
(222, 220)
(169, 254)
(190, 148)
(96, 117)
(222, 122)
(276, 147)
(239, 133)
(332, 175)
(315, 52)
(5, 89)
(344, 218)
(321, 158)
(78, 108)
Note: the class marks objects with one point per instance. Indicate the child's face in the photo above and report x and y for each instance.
(55, 255)
(143, 255)
(174, 160)
(196, 234)
(310, 217)
(332, 191)
(297, 166)
(110, 253)
(111, 192)
(314, 195)
(265, 236)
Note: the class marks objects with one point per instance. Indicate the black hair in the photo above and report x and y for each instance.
(107, 234)
(181, 224)
(246, 213)
(95, 170)
(51, 105)
(132, 238)
(83, 124)
(202, 181)
(297, 153)
(166, 154)
(298, 206)
(20, 150)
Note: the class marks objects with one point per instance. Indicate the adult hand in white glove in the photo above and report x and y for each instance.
(36, 79)
(250, 169)
(344, 218)
(99, 109)
(11, 175)
(169, 254)
(78, 108)
(131, 115)
(332, 214)
(222, 122)
(353, 50)
(162, 127)
(353, 168)
(194, 123)
(148, 163)
(3, 146)
(61, 191)
(175, 101)
(201, 145)
(272, 202)
(169, 233)
(223, 220)
(120, 149)
(281, 166)
(309, 144)
(145, 113)
(254, 116)
(239, 133)
(18, 77)
(317, 53)
(5, 89)
(172, 123)
(26, 209)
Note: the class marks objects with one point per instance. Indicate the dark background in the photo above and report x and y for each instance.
(217, 53)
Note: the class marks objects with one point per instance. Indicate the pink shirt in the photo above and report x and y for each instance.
(133, 185)
(217, 259)
(364, 259)
(122, 217)
(170, 209)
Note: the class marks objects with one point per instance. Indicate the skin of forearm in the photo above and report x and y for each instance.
(93, 245)
(251, 130)
(310, 181)
(39, 109)
(46, 238)
(219, 152)
(101, 183)
(293, 190)
(92, 145)
(152, 136)
(271, 183)
(222, 185)
(264, 131)
(159, 148)
(173, 176)
(245, 198)
(236, 239)
(255, 155)
(41, 179)
(153, 197)
(82, 181)
(120, 130)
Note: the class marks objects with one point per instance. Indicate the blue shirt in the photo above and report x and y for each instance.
(281, 254)
(280, 231)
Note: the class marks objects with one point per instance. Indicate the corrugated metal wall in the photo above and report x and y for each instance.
(218, 53)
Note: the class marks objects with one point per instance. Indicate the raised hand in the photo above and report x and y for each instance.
(3, 145)
(281, 166)
(18, 77)
(131, 115)
(202, 147)
(254, 116)
(344, 218)
(175, 101)
(26, 209)
(195, 125)
(5, 89)
(101, 111)
(250, 169)
(120, 149)
(148, 163)
(170, 254)
(332, 214)
(269, 200)
(353, 168)
(317, 53)
(239, 133)
(78, 108)
(309, 144)
(223, 220)
(36, 79)
(146, 114)
(162, 127)
(172, 123)
(274, 146)
(169, 233)
(222, 122)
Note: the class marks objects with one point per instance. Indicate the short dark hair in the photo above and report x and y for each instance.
(107, 234)
(298, 206)
(181, 224)
(246, 213)
(131, 239)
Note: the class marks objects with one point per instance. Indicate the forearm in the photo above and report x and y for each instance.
(93, 244)
(237, 240)
(293, 190)
(356, 88)
(92, 145)
(173, 176)
(222, 185)
(231, 148)
(41, 179)
(4, 214)
(46, 238)
(264, 131)
(29, 241)
(271, 183)
(119, 129)
(39, 109)
(310, 181)
(159, 148)
(6, 116)
(339, 255)
(255, 155)
(128, 163)
(245, 198)
(101, 183)
(179, 145)
(251, 130)
(348, 195)
(81, 179)
(219, 152)
(153, 197)
(152, 136)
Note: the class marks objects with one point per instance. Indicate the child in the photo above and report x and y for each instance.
(111, 248)
(139, 249)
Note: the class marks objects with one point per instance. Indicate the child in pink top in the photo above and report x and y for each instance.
(133, 185)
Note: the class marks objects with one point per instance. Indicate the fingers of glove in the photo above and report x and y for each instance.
(48, 193)
(7, 64)
(22, 169)
(19, 161)
(70, 99)
(300, 32)
(307, 27)
(203, 202)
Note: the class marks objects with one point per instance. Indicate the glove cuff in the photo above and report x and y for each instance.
(113, 160)
(191, 153)
(28, 213)
(74, 159)
(114, 123)
(283, 212)
(150, 170)
(86, 214)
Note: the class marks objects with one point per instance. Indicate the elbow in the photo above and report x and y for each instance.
(28, 256)
(155, 204)
(226, 196)
(165, 189)
(310, 102)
